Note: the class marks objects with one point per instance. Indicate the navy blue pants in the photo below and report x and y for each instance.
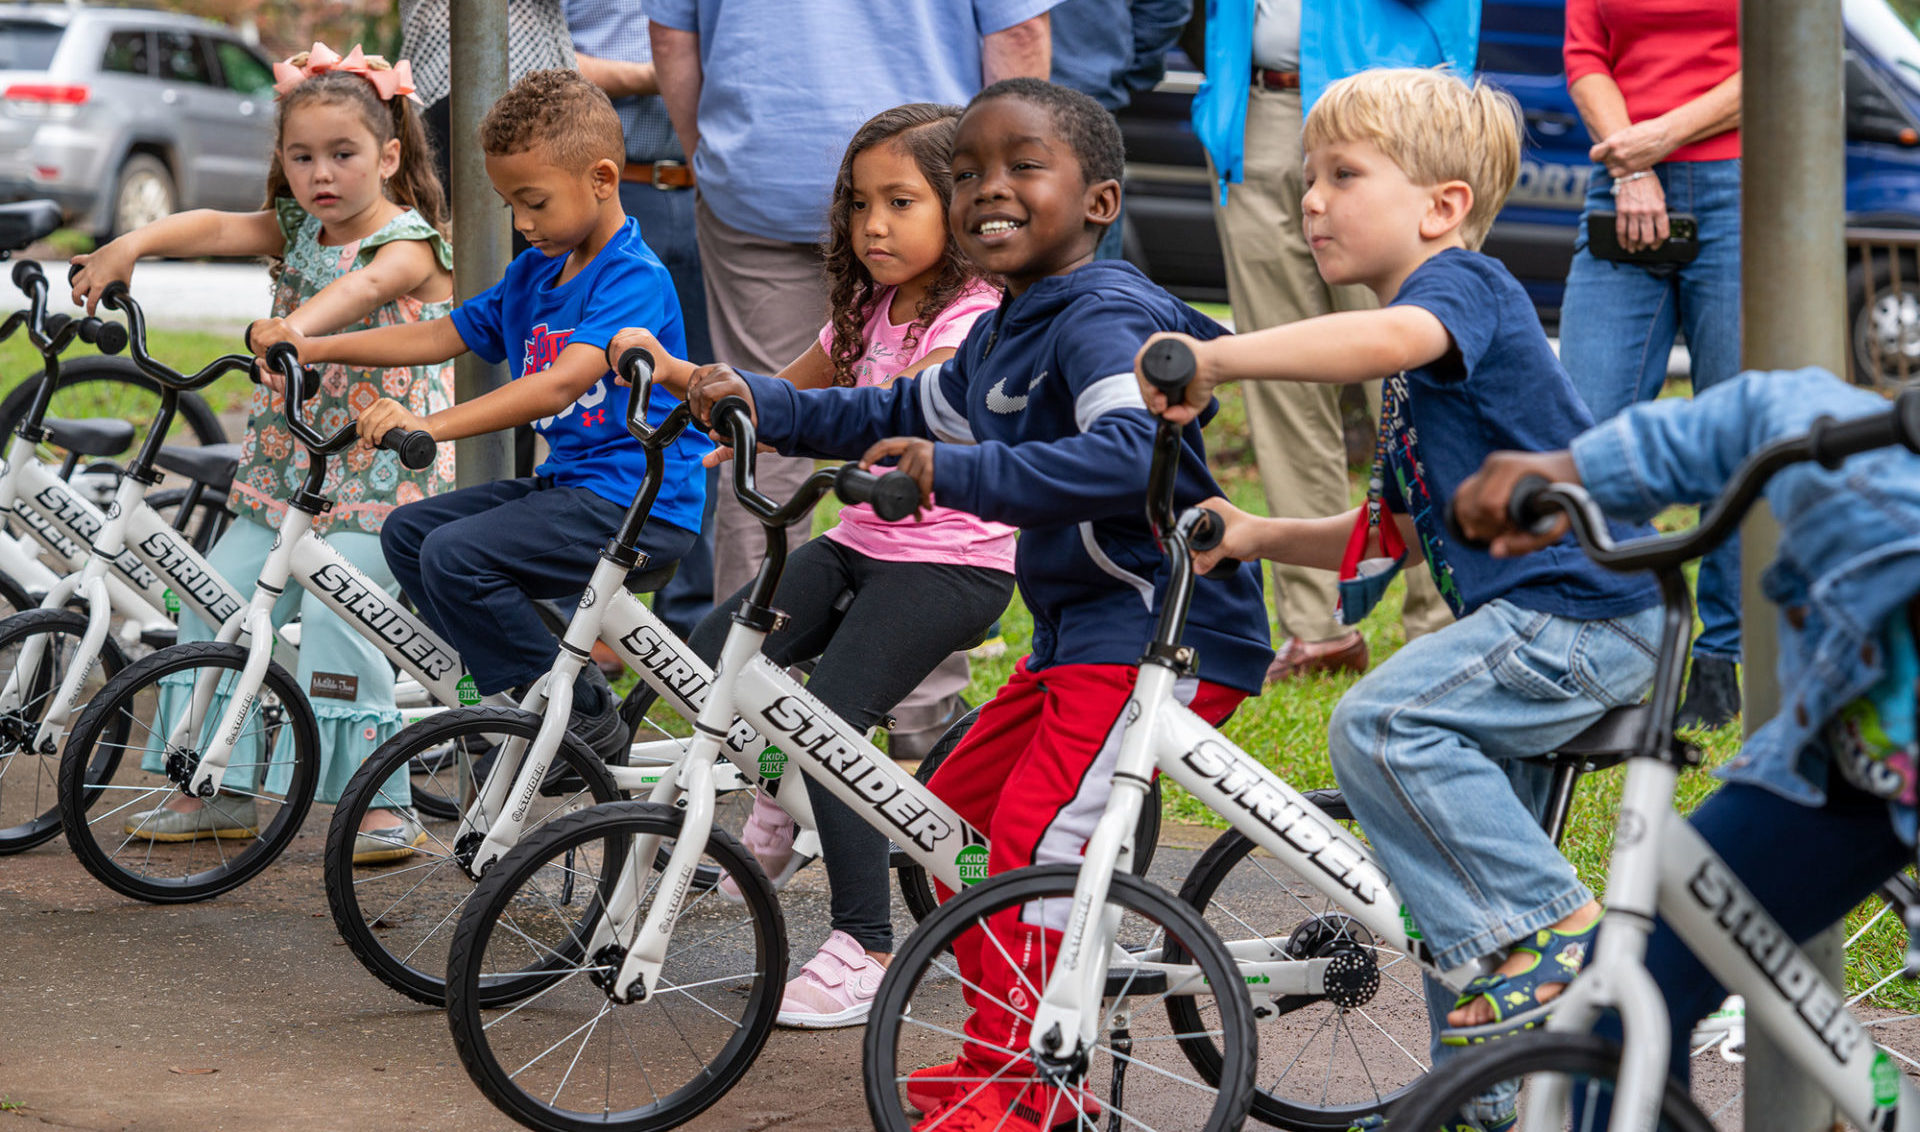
(1807, 867)
(475, 560)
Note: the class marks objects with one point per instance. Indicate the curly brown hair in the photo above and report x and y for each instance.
(923, 131)
(414, 185)
(560, 113)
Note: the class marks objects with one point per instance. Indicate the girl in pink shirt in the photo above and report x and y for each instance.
(902, 299)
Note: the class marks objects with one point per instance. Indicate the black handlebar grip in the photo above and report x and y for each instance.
(1525, 508)
(416, 448)
(281, 355)
(57, 325)
(1207, 532)
(1168, 366)
(113, 294)
(893, 495)
(110, 338)
(25, 271)
(629, 363)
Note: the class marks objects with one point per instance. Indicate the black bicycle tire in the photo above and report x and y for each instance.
(16, 597)
(616, 819)
(916, 888)
(931, 940)
(192, 410)
(76, 798)
(428, 987)
(1462, 1078)
(46, 826)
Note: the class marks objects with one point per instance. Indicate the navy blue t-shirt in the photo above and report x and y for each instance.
(526, 321)
(1500, 387)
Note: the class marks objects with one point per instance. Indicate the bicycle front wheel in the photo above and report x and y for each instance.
(114, 792)
(397, 914)
(1571, 1075)
(38, 650)
(1133, 1076)
(569, 1057)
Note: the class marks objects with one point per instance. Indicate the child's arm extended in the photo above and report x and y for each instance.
(1316, 543)
(811, 370)
(1336, 349)
(398, 268)
(518, 402)
(407, 344)
(202, 232)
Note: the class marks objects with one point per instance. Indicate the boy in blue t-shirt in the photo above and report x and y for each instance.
(474, 560)
(1405, 170)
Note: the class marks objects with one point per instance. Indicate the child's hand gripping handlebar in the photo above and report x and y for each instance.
(415, 448)
(51, 334)
(894, 495)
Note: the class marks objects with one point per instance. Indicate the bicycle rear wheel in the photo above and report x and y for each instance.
(29, 813)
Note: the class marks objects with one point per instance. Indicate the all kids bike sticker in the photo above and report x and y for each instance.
(773, 762)
(972, 862)
(469, 695)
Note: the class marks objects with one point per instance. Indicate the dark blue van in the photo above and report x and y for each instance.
(1170, 223)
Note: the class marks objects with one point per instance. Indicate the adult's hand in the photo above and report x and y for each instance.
(1640, 214)
(1641, 145)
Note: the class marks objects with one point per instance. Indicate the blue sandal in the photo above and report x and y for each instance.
(1557, 957)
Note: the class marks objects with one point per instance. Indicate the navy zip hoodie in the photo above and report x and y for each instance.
(1039, 424)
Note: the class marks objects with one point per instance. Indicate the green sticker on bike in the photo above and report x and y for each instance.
(773, 762)
(171, 601)
(972, 862)
(1406, 921)
(1886, 1081)
(468, 694)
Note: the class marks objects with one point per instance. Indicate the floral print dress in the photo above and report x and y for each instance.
(364, 485)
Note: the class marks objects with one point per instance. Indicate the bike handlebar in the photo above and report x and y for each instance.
(1828, 442)
(894, 495)
(116, 297)
(415, 448)
(1169, 365)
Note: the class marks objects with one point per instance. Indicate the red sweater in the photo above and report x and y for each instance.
(1661, 54)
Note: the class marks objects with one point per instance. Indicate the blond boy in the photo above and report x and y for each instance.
(1405, 170)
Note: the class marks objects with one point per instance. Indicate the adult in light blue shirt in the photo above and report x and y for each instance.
(782, 87)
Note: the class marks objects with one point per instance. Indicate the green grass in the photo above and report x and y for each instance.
(183, 350)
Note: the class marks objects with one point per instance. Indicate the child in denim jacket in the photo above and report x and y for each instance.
(1818, 809)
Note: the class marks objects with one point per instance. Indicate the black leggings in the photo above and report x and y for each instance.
(905, 618)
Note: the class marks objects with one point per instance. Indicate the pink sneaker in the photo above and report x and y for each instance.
(834, 989)
(768, 835)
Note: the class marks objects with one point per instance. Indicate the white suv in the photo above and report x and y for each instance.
(123, 115)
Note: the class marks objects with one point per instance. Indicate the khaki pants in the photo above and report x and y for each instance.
(766, 302)
(1298, 438)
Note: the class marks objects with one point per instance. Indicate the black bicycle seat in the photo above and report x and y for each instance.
(211, 464)
(91, 437)
(23, 223)
(647, 579)
(1612, 739)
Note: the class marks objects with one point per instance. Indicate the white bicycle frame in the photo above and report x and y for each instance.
(132, 559)
(63, 523)
(1662, 866)
(752, 691)
(1162, 732)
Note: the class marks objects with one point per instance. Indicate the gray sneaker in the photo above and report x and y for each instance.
(221, 816)
(394, 842)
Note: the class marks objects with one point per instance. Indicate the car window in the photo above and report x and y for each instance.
(241, 70)
(27, 45)
(127, 54)
(180, 58)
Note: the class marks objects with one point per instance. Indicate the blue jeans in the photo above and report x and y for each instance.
(1428, 748)
(1617, 326)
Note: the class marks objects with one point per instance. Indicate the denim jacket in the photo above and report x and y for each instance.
(1849, 554)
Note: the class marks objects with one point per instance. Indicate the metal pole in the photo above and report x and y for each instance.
(482, 232)
(1793, 290)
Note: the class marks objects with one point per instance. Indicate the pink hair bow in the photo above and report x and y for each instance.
(388, 79)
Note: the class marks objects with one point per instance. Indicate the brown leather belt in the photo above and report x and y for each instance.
(1267, 79)
(659, 174)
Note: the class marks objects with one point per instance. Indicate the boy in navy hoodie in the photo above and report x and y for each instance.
(1037, 422)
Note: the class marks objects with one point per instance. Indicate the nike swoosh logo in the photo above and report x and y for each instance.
(999, 401)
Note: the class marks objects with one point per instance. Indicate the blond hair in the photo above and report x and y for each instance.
(1432, 124)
